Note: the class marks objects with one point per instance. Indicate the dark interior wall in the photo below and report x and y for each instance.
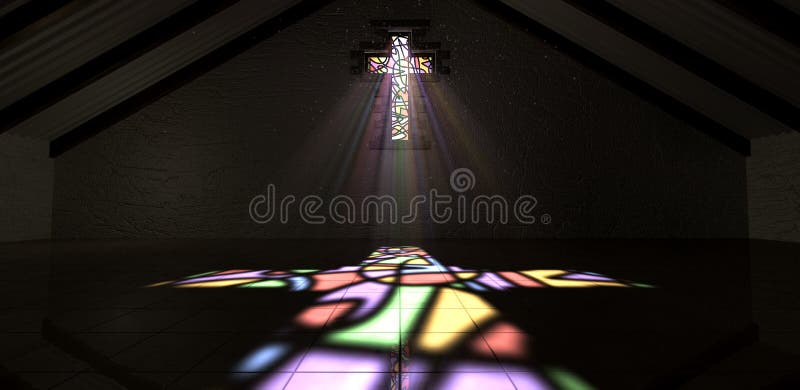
(523, 116)
(773, 188)
(26, 189)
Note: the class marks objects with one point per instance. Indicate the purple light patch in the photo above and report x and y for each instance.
(416, 380)
(370, 300)
(333, 296)
(378, 274)
(337, 380)
(578, 276)
(321, 360)
(477, 381)
(528, 380)
(275, 381)
(349, 268)
(501, 283)
(456, 268)
(488, 281)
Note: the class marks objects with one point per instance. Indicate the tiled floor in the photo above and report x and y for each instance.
(186, 338)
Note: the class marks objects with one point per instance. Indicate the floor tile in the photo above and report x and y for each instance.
(89, 381)
(170, 352)
(143, 321)
(110, 344)
(257, 352)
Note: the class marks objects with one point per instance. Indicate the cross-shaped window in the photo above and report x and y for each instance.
(398, 65)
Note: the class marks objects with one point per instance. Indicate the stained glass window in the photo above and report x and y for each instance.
(399, 64)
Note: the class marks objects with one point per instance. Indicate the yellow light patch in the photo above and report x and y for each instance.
(382, 267)
(418, 261)
(480, 316)
(471, 301)
(466, 275)
(439, 342)
(217, 283)
(387, 279)
(445, 324)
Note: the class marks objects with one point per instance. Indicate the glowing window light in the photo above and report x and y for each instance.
(399, 65)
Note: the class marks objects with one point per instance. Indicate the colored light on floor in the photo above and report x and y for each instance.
(379, 274)
(377, 340)
(477, 381)
(304, 271)
(566, 380)
(325, 282)
(508, 344)
(315, 316)
(262, 358)
(200, 274)
(402, 294)
(470, 300)
(486, 280)
(217, 283)
(160, 283)
(299, 283)
(369, 287)
(501, 283)
(428, 278)
(328, 360)
(336, 380)
(466, 275)
(418, 262)
(232, 271)
(265, 284)
(520, 280)
(480, 347)
(552, 278)
(580, 276)
(386, 323)
(527, 380)
(237, 275)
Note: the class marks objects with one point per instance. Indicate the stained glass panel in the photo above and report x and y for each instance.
(399, 65)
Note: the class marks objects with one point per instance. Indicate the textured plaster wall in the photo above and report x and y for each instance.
(773, 188)
(524, 117)
(26, 189)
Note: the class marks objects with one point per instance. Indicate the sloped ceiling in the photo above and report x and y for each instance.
(68, 69)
